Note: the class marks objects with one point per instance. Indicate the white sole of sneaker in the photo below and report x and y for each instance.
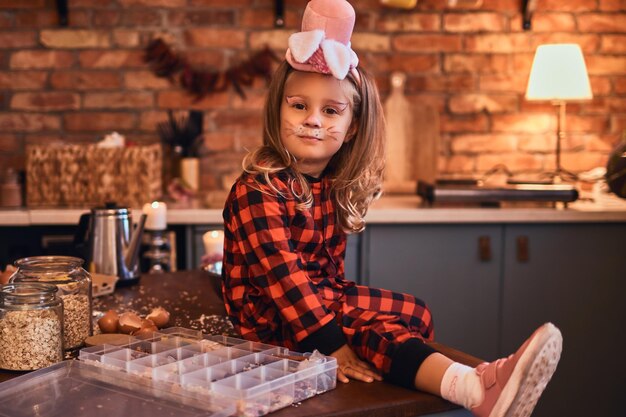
(531, 374)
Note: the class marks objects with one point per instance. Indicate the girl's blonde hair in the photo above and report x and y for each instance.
(356, 170)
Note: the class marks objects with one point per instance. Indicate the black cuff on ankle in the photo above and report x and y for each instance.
(405, 362)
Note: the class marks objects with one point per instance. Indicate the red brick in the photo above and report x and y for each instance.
(456, 164)
(524, 123)
(255, 100)
(241, 120)
(613, 44)
(474, 22)
(23, 80)
(498, 43)
(464, 124)
(118, 100)
(567, 5)
(618, 123)
(9, 143)
(547, 22)
(515, 162)
(210, 59)
(22, 39)
(141, 17)
(211, 38)
(74, 39)
(274, 39)
(145, 80)
(407, 63)
(22, 4)
(600, 85)
(588, 43)
(605, 65)
(544, 143)
(153, 3)
(440, 83)
(111, 59)
(126, 38)
(220, 141)
(149, 120)
(7, 20)
(50, 19)
(41, 59)
(222, 3)
(515, 82)
(98, 121)
(476, 103)
(28, 122)
(601, 22)
(264, 18)
(45, 101)
(582, 161)
(106, 18)
(85, 80)
(478, 143)
(476, 63)
(371, 42)
(619, 84)
(612, 5)
(427, 43)
(617, 104)
(593, 123)
(202, 18)
(181, 99)
(602, 143)
(409, 22)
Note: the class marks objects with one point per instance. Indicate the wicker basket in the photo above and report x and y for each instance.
(85, 175)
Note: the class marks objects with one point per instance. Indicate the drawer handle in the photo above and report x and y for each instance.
(522, 249)
(484, 248)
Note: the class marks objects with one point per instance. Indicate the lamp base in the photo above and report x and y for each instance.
(559, 176)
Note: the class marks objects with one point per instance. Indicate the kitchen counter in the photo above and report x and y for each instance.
(389, 209)
(193, 300)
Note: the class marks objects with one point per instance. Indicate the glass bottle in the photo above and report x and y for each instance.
(31, 326)
(74, 284)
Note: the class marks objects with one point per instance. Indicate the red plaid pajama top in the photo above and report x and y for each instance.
(284, 278)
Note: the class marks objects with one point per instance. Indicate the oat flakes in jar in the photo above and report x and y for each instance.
(31, 326)
(74, 284)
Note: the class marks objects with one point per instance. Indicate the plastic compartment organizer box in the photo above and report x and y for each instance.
(177, 369)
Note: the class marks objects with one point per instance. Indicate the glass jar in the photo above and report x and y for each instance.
(74, 284)
(31, 326)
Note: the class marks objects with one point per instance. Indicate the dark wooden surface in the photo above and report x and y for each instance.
(193, 300)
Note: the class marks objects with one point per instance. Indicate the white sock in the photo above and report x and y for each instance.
(461, 385)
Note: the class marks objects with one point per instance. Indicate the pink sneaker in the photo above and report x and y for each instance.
(513, 385)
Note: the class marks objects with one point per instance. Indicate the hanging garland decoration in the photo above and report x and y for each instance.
(166, 63)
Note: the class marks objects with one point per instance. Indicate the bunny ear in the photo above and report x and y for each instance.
(304, 44)
(338, 57)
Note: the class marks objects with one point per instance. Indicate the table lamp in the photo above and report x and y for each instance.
(559, 75)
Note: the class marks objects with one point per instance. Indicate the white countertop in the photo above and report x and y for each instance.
(388, 210)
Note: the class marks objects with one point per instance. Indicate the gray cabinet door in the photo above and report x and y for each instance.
(575, 277)
(441, 264)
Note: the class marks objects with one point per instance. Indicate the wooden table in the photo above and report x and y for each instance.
(194, 301)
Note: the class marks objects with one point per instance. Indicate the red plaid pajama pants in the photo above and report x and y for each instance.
(376, 322)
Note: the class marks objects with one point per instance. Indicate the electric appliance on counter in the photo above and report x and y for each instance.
(109, 244)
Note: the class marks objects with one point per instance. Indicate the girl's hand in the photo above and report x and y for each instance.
(350, 366)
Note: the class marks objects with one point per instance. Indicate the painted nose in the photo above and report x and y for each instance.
(313, 120)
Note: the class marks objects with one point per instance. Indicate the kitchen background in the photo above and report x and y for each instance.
(81, 82)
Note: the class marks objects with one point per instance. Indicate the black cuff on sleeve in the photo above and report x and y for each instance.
(327, 339)
(405, 362)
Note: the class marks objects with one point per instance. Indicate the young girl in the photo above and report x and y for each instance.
(286, 220)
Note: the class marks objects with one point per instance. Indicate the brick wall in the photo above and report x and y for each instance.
(80, 82)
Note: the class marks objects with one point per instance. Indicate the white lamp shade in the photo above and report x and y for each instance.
(558, 73)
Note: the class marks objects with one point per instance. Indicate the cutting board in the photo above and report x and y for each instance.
(412, 139)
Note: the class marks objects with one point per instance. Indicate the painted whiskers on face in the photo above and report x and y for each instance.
(319, 133)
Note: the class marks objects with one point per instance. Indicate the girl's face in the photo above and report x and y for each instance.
(315, 119)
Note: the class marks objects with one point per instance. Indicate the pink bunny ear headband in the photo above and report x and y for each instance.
(324, 44)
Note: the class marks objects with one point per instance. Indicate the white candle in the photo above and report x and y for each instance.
(213, 242)
(157, 215)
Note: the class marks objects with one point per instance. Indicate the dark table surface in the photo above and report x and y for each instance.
(194, 301)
